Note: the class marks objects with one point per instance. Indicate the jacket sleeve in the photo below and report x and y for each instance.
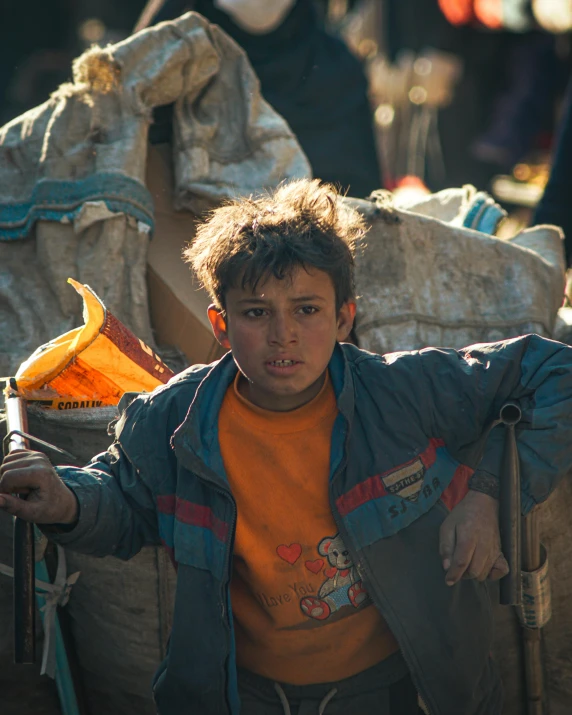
(466, 389)
(117, 510)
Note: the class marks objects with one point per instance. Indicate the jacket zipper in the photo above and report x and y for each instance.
(362, 571)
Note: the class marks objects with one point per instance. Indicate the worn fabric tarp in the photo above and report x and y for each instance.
(73, 201)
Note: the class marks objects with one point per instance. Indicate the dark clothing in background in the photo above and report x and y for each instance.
(524, 108)
(315, 83)
(556, 204)
(25, 78)
(502, 101)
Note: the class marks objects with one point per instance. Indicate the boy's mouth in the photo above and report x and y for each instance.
(283, 363)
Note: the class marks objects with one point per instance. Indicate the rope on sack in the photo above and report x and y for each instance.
(55, 594)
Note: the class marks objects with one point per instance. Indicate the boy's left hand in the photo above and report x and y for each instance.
(469, 540)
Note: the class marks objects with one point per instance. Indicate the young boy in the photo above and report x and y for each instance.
(332, 513)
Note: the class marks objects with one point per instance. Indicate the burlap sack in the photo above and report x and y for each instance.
(422, 281)
(73, 200)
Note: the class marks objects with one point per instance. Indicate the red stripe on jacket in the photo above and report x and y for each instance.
(187, 512)
(373, 488)
(458, 487)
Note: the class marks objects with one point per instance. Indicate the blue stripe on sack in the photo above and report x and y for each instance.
(385, 516)
(55, 199)
(193, 545)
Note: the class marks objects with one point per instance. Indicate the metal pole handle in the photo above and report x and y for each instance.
(532, 637)
(510, 508)
(24, 562)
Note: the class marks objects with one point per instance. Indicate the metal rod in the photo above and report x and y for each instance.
(532, 637)
(24, 564)
(510, 508)
(148, 14)
(520, 542)
(531, 552)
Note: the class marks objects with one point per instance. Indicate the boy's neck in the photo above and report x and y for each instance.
(277, 402)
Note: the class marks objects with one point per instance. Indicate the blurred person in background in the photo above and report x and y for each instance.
(511, 77)
(307, 74)
(555, 206)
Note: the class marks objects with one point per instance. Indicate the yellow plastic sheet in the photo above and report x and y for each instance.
(90, 366)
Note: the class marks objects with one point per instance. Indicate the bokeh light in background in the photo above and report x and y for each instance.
(445, 90)
(92, 31)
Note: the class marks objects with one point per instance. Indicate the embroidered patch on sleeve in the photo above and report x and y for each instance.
(405, 482)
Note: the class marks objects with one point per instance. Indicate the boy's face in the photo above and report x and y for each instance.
(282, 336)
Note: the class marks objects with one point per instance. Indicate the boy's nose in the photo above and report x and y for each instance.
(282, 331)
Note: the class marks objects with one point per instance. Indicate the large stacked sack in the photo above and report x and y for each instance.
(425, 281)
(73, 195)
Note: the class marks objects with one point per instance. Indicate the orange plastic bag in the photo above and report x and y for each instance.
(90, 366)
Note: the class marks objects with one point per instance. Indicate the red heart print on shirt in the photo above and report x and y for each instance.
(314, 566)
(290, 553)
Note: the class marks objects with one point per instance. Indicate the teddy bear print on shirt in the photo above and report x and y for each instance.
(342, 587)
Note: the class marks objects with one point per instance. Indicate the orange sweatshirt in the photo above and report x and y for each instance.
(301, 613)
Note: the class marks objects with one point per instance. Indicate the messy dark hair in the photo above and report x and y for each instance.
(302, 223)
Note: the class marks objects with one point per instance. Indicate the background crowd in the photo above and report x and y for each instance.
(379, 92)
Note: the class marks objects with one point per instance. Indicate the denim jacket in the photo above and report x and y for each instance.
(429, 413)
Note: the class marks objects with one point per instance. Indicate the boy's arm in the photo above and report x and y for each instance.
(462, 395)
(102, 509)
(466, 389)
(116, 509)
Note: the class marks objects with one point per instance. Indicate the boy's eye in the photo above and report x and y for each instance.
(254, 313)
(308, 309)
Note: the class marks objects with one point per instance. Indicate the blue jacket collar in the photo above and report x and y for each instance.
(198, 433)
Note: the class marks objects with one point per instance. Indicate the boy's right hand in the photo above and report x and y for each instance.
(48, 499)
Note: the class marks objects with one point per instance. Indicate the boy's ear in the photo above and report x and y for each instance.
(218, 324)
(346, 318)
